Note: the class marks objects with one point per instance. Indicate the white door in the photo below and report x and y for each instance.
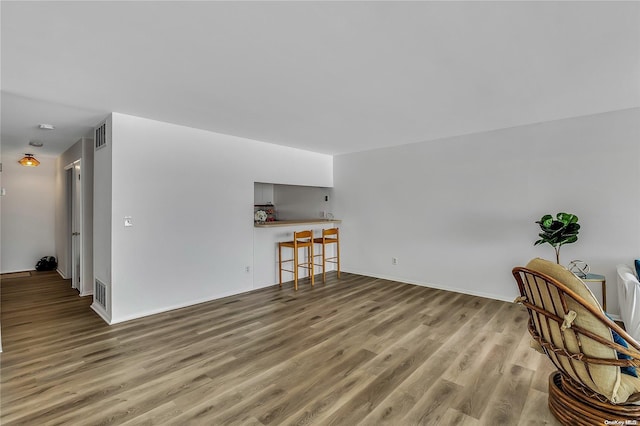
(76, 227)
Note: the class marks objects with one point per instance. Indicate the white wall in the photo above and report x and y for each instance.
(102, 201)
(28, 228)
(191, 202)
(459, 213)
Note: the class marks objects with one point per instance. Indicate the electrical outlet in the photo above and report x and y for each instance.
(394, 260)
(247, 269)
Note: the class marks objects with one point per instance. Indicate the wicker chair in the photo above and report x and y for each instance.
(569, 326)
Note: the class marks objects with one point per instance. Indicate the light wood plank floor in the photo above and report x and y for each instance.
(353, 351)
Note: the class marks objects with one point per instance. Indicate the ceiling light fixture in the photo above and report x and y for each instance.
(47, 126)
(29, 161)
(37, 144)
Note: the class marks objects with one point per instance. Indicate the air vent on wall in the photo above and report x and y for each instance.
(101, 294)
(101, 136)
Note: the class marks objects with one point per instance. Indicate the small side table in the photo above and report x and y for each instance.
(595, 278)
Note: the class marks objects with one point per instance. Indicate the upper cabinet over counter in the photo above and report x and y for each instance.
(285, 203)
(263, 193)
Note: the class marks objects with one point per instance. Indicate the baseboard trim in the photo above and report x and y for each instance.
(98, 309)
(16, 272)
(178, 306)
(64, 277)
(436, 286)
(616, 317)
(101, 313)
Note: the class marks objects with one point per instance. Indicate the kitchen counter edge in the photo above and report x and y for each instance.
(295, 222)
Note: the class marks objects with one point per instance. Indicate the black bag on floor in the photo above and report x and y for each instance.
(47, 263)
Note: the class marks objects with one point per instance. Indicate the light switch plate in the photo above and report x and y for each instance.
(128, 221)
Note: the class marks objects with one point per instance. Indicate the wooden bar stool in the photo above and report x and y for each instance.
(329, 236)
(302, 239)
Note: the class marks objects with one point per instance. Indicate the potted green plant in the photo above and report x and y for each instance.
(559, 231)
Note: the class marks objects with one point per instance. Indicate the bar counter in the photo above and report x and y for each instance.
(295, 222)
(266, 237)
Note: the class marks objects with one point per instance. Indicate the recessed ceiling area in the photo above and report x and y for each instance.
(330, 77)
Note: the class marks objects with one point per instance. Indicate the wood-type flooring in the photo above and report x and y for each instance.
(354, 351)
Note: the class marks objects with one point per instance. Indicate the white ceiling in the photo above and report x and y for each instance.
(330, 77)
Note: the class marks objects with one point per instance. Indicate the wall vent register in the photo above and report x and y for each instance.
(101, 136)
(101, 294)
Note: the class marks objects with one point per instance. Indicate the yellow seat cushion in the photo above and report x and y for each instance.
(629, 389)
(604, 379)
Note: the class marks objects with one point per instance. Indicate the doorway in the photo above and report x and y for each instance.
(74, 197)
